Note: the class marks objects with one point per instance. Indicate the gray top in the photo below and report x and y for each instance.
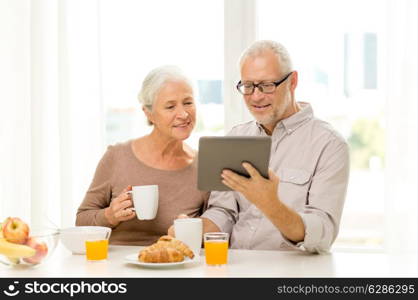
(119, 168)
(312, 162)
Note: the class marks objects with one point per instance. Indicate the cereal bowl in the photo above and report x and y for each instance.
(74, 238)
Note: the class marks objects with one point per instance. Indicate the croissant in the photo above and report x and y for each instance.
(163, 255)
(159, 245)
(177, 244)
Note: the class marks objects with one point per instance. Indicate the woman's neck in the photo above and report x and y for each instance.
(157, 151)
(164, 147)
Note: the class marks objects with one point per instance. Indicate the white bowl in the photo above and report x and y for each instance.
(74, 238)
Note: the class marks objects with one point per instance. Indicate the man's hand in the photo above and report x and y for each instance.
(170, 230)
(263, 193)
(260, 191)
(208, 226)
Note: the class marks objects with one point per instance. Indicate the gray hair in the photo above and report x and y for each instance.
(156, 79)
(278, 49)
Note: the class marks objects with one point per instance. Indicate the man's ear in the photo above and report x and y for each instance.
(293, 81)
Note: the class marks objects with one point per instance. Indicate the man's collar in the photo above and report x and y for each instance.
(291, 123)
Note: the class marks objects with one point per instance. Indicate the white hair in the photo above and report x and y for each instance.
(278, 49)
(156, 79)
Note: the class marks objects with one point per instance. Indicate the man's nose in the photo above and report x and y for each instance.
(257, 94)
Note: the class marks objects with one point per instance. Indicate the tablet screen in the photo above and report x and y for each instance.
(229, 152)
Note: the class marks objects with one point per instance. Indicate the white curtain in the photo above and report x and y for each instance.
(401, 127)
(51, 109)
(15, 136)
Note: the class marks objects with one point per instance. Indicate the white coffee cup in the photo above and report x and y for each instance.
(189, 231)
(145, 200)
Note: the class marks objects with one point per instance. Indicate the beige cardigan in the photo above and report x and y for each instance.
(119, 168)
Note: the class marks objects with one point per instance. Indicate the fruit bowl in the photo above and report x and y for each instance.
(24, 245)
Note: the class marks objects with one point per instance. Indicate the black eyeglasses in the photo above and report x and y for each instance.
(248, 88)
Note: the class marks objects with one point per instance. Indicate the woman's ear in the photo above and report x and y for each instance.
(148, 114)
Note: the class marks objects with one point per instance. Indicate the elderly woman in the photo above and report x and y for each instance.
(160, 158)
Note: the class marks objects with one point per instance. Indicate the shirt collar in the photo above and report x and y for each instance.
(291, 123)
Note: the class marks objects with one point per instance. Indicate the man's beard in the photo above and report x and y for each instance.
(265, 120)
(273, 117)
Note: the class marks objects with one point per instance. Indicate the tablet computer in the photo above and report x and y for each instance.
(229, 152)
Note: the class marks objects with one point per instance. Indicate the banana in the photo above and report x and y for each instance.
(15, 250)
(14, 260)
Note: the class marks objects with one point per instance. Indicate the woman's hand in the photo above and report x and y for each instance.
(120, 208)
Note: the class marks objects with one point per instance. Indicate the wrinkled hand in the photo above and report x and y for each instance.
(260, 191)
(120, 208)
(170, 230)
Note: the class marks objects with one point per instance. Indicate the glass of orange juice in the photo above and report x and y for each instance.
(216, 248)
(97, 249)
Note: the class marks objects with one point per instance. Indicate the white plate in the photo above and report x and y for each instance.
(133, 259)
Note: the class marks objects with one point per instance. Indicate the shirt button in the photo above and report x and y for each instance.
(252, 228)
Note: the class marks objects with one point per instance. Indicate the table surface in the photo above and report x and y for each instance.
(241, 263)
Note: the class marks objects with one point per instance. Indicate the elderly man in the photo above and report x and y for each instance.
(300, 205)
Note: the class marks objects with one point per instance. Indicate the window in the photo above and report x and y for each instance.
(137, 36)
(339, 49)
